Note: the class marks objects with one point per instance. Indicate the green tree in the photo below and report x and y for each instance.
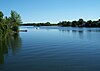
(89, 23)
(80, 22)
(15, 21)
(64, 23)
(9, 23)
(74, 23)
(1, 16)
(98, 23)
(47, 24)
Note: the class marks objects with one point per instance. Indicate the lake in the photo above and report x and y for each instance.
(51, 49)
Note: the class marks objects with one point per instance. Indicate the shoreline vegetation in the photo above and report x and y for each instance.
(9, 24)
(79, 23)
(9, 33)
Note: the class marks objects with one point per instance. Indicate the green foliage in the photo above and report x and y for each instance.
(80, 23)
(15, 18)
(64, 23)
(73, 23)
(1, 16)
(47, 24)
(10, 23)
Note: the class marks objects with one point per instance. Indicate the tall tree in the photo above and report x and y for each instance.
(15, 17)
(80, 22)
(15, 20)
(1, 16)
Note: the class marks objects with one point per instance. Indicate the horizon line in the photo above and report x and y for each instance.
(61, 21)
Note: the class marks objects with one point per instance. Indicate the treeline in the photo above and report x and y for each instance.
(79, 23)
(38, 24)
(9, 24)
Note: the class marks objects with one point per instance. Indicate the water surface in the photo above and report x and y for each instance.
(52, 49)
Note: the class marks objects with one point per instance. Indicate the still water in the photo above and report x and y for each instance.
(51, 49)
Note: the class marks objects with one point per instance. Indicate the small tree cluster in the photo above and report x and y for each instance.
(80, 23)
(10, 23)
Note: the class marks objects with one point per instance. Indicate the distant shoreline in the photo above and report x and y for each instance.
(54, 25)
(79, 23)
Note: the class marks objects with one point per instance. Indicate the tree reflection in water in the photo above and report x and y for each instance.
(12, 41)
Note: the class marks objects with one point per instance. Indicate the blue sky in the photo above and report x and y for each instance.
(52, 10)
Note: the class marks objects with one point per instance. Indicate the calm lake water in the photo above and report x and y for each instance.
(52, 49)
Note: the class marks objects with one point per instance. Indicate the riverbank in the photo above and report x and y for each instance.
(79, 23)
